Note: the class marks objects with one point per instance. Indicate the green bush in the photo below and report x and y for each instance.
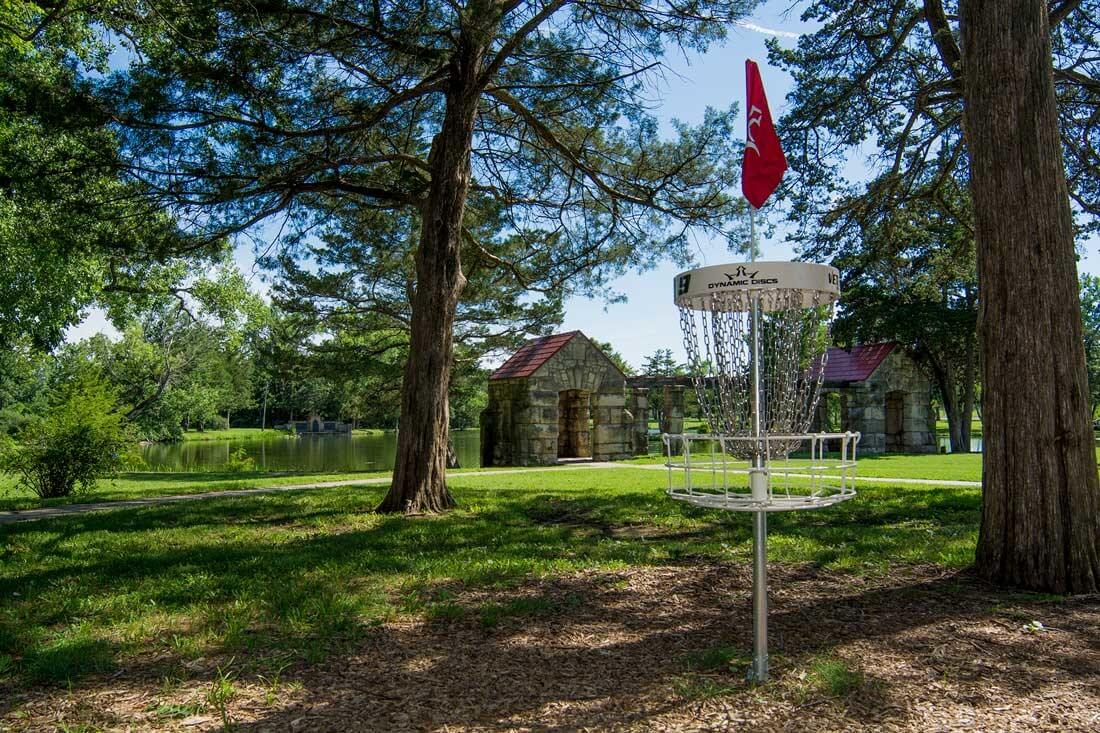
(81, 437)
(240, 462)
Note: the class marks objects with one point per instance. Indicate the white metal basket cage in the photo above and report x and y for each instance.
(817, 470)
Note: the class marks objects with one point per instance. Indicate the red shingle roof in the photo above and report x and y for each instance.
(856, 364)
(532, 355)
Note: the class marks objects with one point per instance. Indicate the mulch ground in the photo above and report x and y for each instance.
(613, 651)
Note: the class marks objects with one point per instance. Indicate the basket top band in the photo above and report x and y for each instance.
(733, 287)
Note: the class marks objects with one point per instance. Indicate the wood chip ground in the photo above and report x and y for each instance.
(612, 651)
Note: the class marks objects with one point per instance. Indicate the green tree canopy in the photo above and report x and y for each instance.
(912, 279)
(1090, 318)
(74, 230)
(532, 113)
(882, 79)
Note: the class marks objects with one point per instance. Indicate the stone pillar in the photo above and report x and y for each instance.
(639, 407)
(672, 421)
(610, 434)
(539, 444)
(489, 420)
(674, 409)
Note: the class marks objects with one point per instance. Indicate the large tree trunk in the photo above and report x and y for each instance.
(419, 475)
(1041, 499)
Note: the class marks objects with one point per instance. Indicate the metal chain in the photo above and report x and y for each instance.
(793, 341)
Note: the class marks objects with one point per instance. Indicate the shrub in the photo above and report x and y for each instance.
(240, 462)
(81, 437)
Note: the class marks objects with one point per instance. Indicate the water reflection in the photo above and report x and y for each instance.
(306, 453)
(975, 445)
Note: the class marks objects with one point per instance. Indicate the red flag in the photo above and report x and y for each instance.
(764, 161)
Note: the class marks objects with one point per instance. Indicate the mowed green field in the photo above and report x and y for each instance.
(934, 466)
(137, 485)
(281, 578)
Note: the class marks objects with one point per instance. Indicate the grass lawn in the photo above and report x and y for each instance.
(191, 436)
(935, 466)
(286, 576)
(975, 428)
(559, 599)
(138, 485)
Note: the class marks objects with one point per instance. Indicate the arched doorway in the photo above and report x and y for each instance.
(895, 422)
(574, 424)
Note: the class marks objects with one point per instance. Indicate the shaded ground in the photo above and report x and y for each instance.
(644, 648)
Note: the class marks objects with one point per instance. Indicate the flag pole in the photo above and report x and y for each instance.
(760, 175)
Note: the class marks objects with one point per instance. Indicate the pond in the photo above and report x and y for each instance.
(318, 453)
(975, 445)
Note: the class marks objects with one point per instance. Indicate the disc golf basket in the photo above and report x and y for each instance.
(756, 335)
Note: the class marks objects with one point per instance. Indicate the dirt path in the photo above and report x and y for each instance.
(649, 649)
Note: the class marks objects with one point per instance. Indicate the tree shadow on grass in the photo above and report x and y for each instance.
(295, 579)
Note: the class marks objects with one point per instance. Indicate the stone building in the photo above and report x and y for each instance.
(879, 391)
(560, 397)
(315, 425)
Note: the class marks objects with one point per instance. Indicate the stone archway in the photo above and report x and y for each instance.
(895, 422)
(574, 424)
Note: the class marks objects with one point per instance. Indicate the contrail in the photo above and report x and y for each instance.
(766, 31)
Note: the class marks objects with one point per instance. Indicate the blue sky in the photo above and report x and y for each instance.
(647, 320)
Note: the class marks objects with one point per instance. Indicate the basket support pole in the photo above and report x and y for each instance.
(758, 478)
(759, 671)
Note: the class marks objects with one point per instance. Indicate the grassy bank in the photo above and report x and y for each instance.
(275, 579)
(191, 436)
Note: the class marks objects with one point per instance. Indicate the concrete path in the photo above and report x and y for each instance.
(9, 517)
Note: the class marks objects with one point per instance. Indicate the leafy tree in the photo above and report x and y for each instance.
(281, 348)
(534, 112)
(73, 232)
(352, 286)
(81, 438)
(185, 362)
(615, 356)
(912, 279)
(24, 372)
(1090, 322)
(661, 363)
(903, 76)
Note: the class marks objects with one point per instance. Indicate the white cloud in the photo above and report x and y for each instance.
(749, 26)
